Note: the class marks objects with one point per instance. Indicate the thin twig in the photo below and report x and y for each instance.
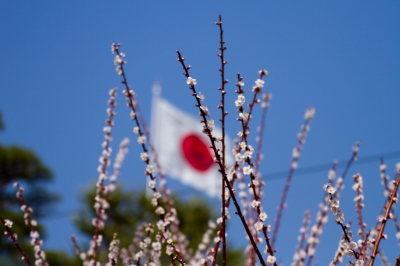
(245, 119)
(78, 249)
(339, 185)
(293, 166)
(169, 203)
(359, 207)
(14, 240)
(393, 199)
(104, 161)
(217, 160)
(222, 48)
(130, 96)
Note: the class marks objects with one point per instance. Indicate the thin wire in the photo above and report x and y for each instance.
(326, 166)
(282, 174)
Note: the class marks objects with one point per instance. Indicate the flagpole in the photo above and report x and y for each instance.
(156, 94)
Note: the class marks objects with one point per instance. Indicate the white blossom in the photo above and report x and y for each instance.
(247, 170)
(328, 188)
(210, 124)
(160, 210)
(240, 101)
(260, 83)
(263, 72)
(247, 154)
(152, 184)
(244, 116)
(154, 202)
(200, 96)
(242, 145)
(309, 114)
(156, 246)
(255, 204)
(8, 223)
(149, 169)
(107, 129)
(205, 110)
(144, 156)
(263, 216)
(169, 250)
(271, 259)
(191, 81)
(141, 139)
(295, 153)
(258, 225)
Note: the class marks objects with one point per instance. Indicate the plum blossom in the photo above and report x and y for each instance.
(258, 225)
(191, 81)
(271, 259)
(247, 170)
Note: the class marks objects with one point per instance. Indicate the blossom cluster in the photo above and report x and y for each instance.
(346, 248)
(40, 256)
(334, 204)
(113, 251)
(358, 187)
(168, 217)
(101, 202)
(118, 60)
(119, 159)
(205, 242)
(300, 254)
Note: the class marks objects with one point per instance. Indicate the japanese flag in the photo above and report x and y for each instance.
(183, 150)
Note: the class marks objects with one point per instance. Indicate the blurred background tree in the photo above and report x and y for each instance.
(23, 165)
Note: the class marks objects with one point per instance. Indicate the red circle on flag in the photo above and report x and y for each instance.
(196, 152)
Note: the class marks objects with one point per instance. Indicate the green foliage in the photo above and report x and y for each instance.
(21, 164)
(59, 258)
(24, 165)
(129, 208)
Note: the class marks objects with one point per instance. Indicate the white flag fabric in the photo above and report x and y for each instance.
(183, 150)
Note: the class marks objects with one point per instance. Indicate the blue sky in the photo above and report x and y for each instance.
(341, 57)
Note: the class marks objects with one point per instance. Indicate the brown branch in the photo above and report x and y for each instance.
(266, 98)
(359, 206)
(130, 96)
(169, 203)
(78, 249)
(293, 166)
(222, 48)
(393, 199)
(397, 261)
(14, 240)
(347, 168)
(322, 213)
(104, 162)
(32, 223)
(217, 160)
